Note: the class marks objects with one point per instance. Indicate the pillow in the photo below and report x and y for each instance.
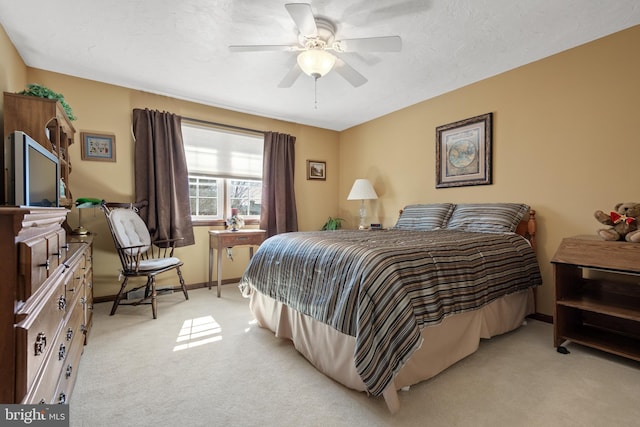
(424, 217)
(487, 217)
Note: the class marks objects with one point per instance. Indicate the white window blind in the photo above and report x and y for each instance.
(223, 153)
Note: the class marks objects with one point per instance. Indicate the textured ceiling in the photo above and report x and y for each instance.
(179, 48)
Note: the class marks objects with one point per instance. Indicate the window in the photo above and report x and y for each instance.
(225, 171)
(245, 195)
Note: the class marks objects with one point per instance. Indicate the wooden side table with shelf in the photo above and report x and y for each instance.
(221, 239)
(597, 301)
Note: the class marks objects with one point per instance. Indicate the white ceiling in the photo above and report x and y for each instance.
(179, 48)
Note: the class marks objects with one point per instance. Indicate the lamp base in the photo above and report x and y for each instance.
(80, 231)
(363, 216)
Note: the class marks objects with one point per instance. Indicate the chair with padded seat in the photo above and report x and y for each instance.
(139, 256)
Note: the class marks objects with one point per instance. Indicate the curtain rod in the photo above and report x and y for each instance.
(206, 122)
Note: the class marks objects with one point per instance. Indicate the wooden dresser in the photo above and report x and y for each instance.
(46, 300)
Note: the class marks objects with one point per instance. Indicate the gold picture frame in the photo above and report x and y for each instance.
(463, 152)
(98, 146)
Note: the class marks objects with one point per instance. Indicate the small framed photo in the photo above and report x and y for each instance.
(98, 146)
(316, 170)
(463, 152)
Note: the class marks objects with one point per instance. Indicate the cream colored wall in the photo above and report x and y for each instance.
(565, 142)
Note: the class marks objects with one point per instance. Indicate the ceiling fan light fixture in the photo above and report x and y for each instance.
(316, 62)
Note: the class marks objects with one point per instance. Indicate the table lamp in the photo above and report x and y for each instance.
(81, 204)
(362, 190)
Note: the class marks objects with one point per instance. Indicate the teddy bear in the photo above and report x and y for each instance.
(622, 222)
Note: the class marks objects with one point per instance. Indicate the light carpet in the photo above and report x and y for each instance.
(204, 362)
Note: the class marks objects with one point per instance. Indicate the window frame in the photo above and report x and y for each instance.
(224, 183)
(220, 183)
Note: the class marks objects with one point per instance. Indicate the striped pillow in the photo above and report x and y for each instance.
(487, 217)
(424, 217)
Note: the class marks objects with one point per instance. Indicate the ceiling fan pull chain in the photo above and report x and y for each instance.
(315, 92)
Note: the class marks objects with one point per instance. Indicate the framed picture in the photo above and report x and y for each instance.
(98, 146)
(463, 152)
(316, 170)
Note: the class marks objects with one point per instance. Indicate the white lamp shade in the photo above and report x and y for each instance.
(362, 190)
(316, 62)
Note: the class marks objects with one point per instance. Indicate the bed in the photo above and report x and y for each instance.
(381, 310)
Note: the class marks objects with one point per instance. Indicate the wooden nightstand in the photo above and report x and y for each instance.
(221, 239)
(598, 295)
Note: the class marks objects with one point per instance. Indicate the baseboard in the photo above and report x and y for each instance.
(541, 317)
(108, 298)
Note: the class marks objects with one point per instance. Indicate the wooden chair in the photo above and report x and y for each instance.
(139, 256)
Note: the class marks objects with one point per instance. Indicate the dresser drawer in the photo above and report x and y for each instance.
(34, 266)
(239, 238)
(75, 278)
(88, 305)
(39, 323)
(69, 372)
(55, 378)
(42, 390)
(56, 245)
(75, 325)
(39, 258)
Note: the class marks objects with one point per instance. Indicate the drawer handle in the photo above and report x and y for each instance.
(62, 352)
(83, 300)
(46, 265)
(62, 303)
(65, 247)
(83, 328)
(68, 372)
(69, 334)
(62, 399)
(42, 402)
(58, 254)
(40, 344)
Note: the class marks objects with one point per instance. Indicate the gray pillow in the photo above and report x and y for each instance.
(424, 217)
(487, 217)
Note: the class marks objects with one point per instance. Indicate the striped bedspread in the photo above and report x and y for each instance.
(382, 287)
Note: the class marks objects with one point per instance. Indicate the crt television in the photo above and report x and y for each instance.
(32, 173)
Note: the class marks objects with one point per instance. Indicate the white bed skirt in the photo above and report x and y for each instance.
(331, 352)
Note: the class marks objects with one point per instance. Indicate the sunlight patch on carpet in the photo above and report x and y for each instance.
(197, 332)
(252, 323)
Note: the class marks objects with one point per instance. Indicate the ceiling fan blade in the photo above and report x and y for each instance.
(349, 73)
(302, 15)
(372, 44)
(291, 77)
(261, 48)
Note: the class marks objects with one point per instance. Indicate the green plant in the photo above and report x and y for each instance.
(332, 224)
(40, 91)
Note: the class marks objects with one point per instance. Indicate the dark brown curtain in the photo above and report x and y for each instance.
(161, 175)
(278, 213)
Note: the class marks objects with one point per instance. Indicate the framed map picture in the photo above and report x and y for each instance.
(97, 146)
(463, 152)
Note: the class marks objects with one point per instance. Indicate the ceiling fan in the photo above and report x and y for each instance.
(318, 51)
